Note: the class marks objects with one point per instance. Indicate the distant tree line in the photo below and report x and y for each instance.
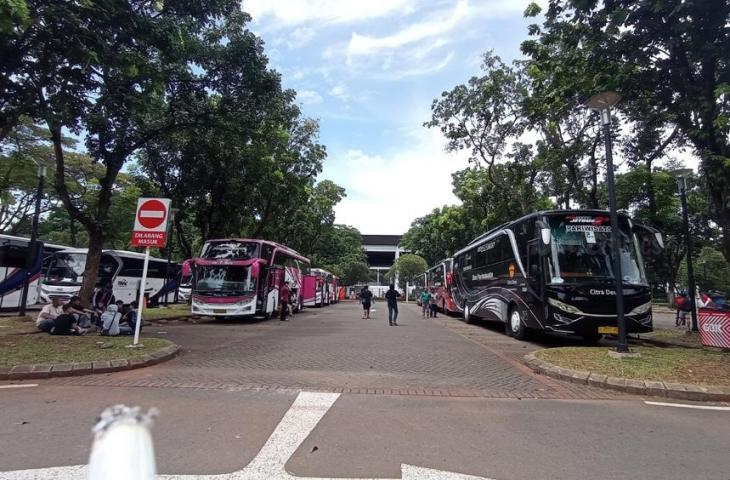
(533, 144)
(131, 97)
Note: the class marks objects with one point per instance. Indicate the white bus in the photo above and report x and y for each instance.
(14, 253)
(120, 275)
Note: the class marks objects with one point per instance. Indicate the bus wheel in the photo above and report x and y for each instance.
(516, 326)
(468, 317)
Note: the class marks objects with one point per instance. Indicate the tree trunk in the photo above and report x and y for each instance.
(72, 231)
(91, 271)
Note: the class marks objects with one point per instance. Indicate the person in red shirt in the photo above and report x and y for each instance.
(284, 295)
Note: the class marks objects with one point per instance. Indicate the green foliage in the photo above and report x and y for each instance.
(407, 267)
(354, 272)
(712, 271)
(336, 248)
(183, 86)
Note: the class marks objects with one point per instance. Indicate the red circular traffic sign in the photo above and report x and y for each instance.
(152, 214)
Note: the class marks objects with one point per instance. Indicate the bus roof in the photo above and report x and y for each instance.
(588, 211)
(47, 246)
(288, 250)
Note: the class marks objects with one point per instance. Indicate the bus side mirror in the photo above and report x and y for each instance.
(650, 240)
(544, 232)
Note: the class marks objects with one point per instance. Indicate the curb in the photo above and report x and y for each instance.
(679, 391)
(32, 372)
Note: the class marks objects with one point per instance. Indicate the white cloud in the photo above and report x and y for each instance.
(300, 37)
(309, 97)
(366, 45)
(339, 91)
(295, 12)
(386, 192)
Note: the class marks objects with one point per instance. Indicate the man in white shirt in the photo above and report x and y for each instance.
(48, 314)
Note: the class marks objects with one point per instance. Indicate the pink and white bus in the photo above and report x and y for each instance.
(317, 287)
(440, 277)
(242, 277)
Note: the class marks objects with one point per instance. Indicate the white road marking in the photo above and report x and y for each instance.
(296, 425)
(684, 405)
(20, 385)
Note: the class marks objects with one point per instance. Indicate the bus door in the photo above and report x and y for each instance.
(275, 280)
(535, 277)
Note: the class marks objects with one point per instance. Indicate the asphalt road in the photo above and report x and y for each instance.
(437, 393)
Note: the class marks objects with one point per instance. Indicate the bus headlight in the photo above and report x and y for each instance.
(564, 306)
(641, 309)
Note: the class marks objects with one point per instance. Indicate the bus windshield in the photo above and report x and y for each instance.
(232, 250)
(227, 279)
(581, 250)
(66, 268)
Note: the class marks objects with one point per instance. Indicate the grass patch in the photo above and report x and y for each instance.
(671, 364)
(675, 337)
(171, 311)
(15, 325)
(49, 349)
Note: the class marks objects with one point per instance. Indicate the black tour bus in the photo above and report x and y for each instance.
(552, 271)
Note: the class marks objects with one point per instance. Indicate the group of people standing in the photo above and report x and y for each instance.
(429, 303)
(72, 318)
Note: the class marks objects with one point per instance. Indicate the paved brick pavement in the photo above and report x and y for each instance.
(332, 349)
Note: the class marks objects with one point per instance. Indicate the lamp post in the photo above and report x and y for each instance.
(603, 103)
(681, 176)
(31, 259)
(173, 211)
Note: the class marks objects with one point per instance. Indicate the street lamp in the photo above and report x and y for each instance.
(31, 258)
(603, 103)
(171, 222)
(681, 176)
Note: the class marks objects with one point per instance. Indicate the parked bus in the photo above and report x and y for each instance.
(119, 277)
(242, 277)
(336, 287)
(14, 253)
(552, 271)
(316, 288)
(440, 277)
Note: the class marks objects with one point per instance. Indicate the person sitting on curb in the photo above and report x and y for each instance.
(48, 314)
(110, 321)
(65, 324)
(129, 321)
(84, 316)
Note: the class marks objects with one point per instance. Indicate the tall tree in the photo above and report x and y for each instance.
(115, 73)
(669, 60)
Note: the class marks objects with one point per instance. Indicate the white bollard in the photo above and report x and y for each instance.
(123, 448)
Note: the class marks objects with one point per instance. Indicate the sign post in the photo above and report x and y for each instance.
(150, 230)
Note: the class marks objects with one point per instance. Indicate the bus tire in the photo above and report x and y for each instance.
(468, 317)
(515, 324)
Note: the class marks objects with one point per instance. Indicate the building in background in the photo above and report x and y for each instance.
(381, 252)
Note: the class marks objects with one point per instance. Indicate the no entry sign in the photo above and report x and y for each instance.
(150, 222)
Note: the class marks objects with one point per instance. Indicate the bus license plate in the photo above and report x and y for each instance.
(219, 310)
(608, 330)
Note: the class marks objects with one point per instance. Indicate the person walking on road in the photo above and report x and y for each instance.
(284, 294)
(392, 297)
(426, 302)
(366, 298)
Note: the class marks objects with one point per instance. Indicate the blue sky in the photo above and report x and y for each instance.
(368, 71)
